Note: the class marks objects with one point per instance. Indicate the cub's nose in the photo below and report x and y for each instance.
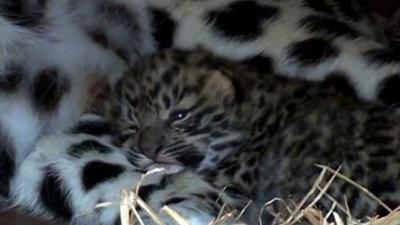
(150, 141)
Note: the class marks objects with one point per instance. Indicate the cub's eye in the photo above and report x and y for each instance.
(178, 115)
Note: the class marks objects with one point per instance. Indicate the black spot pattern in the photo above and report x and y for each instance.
(99, 37)
(155, 90)
(328, 26)
(235, 192)
(48, 89)
(166, 101)
(242, 20)
(339, 82)
(77, 150)
(7, 164)
(146, 190)
(122, 54)
(382, 211)
(117, 221)
(22, 14)
(378, 186)
(225, 145)
(319, 6)
(119, 14)
(382, 56)
(260, 63)
(54, 195)
(174, 200)
(213, 197)
(97, 172)
(378, 139)
(352, 10)
(163, 28)
(312, 51)
(246, 178)
(169, 74)
(132, 101)
(389, 91)
(12, 77)
(190, 159)
(96, 128)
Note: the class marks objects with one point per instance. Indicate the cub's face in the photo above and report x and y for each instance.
(176, 112)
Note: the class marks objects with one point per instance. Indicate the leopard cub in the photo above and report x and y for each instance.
(259, 132)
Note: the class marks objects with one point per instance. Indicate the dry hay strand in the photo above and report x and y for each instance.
(315, 217)
(131, 200)
(303, 213)
(306, 214)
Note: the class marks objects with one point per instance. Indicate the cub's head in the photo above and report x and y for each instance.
(178, 107)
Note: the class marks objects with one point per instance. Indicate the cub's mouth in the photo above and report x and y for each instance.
(159, 161)
(183, 155)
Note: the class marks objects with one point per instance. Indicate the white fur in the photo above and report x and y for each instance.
(61, 43)
(52, 151)
(193, 31)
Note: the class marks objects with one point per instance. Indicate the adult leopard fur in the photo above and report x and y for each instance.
(69, 174)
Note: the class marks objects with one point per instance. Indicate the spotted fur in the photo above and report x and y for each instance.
(274, 130)
(69, 174)
(306, 39)
(49, 61)
(52, 49)
(173, 118)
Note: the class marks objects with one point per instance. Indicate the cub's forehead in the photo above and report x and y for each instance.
(176, 73)
(170, 67)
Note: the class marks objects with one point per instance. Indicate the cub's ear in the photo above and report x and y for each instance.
(219, 84)
(227, 86)
(231, 79)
